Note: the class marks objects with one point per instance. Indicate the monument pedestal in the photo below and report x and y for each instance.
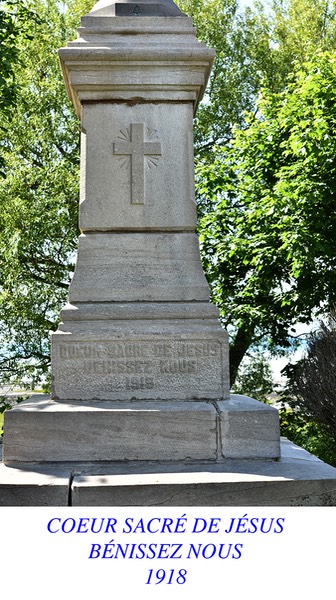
(296, 479)
(49, 431)
(140, 351)
(140, 411)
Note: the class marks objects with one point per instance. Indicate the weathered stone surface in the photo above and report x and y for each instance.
(137, 168)
(137, 60)
(52, 431)
(297, 479)
(106, 366)
(142, 311)
(249, 429)
(135, 83)
(34, 485)
(120, 367)
(133, 267)
(140, 363)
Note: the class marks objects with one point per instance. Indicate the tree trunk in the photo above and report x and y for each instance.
(238, 349)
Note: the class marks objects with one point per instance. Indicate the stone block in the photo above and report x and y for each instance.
(34, 485)
(147, 59)
(249, 429)
(133, 267)
(43, 431)
(136, 166)
(148, 312)
(296, 479)
(113, 364)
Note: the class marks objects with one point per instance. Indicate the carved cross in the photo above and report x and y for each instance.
(137, 149)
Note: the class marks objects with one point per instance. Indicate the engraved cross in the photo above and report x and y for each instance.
(137, 149)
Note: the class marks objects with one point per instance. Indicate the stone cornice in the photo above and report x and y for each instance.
(136, 59)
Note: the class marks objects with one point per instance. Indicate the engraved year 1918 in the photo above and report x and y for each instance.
(139, 383)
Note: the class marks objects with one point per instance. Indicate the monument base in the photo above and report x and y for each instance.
(94, 431)
(205, 453)
(296, 479)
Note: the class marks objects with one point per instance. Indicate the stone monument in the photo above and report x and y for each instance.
(140, 363)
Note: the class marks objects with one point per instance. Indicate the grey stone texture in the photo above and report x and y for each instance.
(42, 430)
(147, 59)
(104, 365)
(34, 485)
(297, 479)
(165, 8)
(139, 325)
(249, 428)
(47, 431)
(137, 186)
(133, 267)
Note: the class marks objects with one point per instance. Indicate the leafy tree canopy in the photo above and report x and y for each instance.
(16, 20)
(39, 194)
(267, 238)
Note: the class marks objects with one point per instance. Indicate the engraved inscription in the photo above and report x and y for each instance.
(140, 383)
(142, 365)
(117, 350)
(186, 349)
(109, 367)
(133, 146)
(178, 366)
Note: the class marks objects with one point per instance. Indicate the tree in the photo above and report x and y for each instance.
(265, 47)
(38, 196)
(312, 380)
(255, 378)
(15, 22)
(308, 403)
(242, 43)
(266, 241)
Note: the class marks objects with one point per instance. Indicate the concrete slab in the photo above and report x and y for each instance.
(34, 485)
(297, 479)
(42, 430)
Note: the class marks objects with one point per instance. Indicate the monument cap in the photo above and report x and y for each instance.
(131, 8)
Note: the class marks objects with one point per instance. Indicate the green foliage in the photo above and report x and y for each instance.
(39, 198)
(243, 59)
(255, 378)
(307, 433)
(16, 21)
(266, 239)
(302, 27)
(311, 387)
(39, 195)
(6, 403)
